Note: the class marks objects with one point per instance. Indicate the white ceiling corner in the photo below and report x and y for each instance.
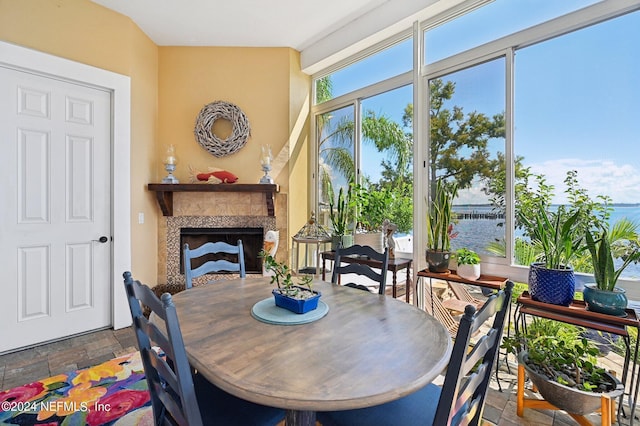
(317, 29)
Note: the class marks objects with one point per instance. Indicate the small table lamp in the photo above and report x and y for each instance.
(170, 165)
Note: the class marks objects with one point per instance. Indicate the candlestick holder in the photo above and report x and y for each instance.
(170, 165)
(170, 178)
(266, 168)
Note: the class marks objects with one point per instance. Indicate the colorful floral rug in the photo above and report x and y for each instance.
(112, 393)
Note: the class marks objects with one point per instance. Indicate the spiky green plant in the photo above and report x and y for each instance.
(556, 234)
(602, 257)
(340, 212)
(439, 217)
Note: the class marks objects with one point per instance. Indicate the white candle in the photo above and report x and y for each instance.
(266, 155)
(171, 158)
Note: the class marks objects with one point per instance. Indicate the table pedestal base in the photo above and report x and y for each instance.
(300, 418)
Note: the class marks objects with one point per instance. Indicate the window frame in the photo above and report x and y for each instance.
(507, 47)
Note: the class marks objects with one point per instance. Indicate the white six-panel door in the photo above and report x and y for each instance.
(55, 205)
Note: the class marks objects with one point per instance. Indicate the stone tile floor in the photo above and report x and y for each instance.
(93, 348)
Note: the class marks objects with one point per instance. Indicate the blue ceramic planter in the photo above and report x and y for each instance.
(554, 286)
(298, 306)
(605, 301)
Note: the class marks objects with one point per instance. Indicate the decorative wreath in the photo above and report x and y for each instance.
(209, 141)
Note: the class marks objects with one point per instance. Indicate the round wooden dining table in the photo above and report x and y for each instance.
(367, 350)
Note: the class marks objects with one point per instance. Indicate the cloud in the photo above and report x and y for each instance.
(473, 195)
(621, 182)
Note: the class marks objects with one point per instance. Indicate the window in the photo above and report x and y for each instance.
(336, 156)
(490, 22)
(544, 98)
(576, 106)
(389, 62)
(467, 146)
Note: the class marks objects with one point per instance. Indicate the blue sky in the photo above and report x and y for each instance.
(577, 96)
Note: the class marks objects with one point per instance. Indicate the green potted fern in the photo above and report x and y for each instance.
(440, 227)
(604, 296)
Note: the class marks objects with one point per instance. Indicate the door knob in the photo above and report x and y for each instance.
(102, 239)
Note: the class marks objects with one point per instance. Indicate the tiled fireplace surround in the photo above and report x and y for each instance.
(215, 210)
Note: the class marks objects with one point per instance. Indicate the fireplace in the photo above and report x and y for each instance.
(252, 241)
(250, 229)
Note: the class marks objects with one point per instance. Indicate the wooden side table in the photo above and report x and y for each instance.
(396, 264)
(487, 281)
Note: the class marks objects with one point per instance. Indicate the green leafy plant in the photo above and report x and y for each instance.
(556, 233)
(439, 217)
(283, 278)
(373, 206)
(602, 257)
(340, 213)
(467, 256)
(558, 352)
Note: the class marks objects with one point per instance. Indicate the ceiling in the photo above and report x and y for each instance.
(325, 32)
(259, 23)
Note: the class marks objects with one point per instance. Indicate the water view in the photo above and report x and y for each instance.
(478, 226)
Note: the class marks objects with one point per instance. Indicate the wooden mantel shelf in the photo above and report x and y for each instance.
(164, 192)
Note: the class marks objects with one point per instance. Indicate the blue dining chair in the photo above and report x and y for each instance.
(177, 395)
(361, 262)
(460, 400)
(213, 265)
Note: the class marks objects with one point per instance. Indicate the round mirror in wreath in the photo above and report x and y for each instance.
(204, 128)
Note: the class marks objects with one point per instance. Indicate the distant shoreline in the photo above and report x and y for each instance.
(484, 206)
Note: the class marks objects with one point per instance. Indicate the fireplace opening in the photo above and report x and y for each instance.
(252, 241)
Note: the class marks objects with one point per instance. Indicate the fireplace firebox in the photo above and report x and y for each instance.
(252, 241)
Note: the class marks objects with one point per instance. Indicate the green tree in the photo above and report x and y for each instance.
(454, 134)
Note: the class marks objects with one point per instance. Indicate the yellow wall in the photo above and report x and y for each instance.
(88, 33)
(267, 85)
(255, 79)
(169, 87)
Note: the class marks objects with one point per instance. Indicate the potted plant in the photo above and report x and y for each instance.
(340, 214)
(468, 264)
(372, 208)
(562, 367)
(439, 227)
(299, 298)
(552, 279)
(603, 296)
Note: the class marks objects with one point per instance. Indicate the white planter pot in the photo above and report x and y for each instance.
(372, 239)
(469, 272)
